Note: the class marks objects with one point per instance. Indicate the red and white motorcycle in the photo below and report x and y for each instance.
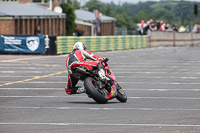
(100, 83)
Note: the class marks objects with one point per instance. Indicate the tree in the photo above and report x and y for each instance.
(69, 10)
(76, 4)
(128, 15)
(108, 11)
(143, 15)
(93, 4)
(163, 14)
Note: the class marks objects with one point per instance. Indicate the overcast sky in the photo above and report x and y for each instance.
(129, 1)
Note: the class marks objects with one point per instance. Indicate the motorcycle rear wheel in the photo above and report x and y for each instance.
(121, 95)
(99, 95)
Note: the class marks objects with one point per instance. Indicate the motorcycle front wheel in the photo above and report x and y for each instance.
(92, 88)
(121, 95)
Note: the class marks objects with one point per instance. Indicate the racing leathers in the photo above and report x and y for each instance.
(78, 58)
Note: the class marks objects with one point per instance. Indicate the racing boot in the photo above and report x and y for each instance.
(75, 90)
(80, 90)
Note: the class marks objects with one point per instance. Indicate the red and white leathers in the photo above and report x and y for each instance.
(76, 58)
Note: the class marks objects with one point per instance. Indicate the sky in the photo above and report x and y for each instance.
(128, 1)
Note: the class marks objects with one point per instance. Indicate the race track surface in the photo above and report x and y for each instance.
(162, 84)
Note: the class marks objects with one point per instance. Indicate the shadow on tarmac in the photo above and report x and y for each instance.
(82, 102)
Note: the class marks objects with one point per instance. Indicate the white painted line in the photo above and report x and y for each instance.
(188, 77)
(33, 58)
(160, 83)
(158, 77)
(29, 68)
(39, 82)
(104, 124)
(148, 66)
(162, 89)
(162, 63)
(87, 108)
(174, 98)
(118, 76)
(25, 71)
(150, 72)
(157, 83)
(62, 69)
(55, 76)
(171, 98)
(66, 96)
(147, 69)
(57, 89)
(33, 96)
(19, 65)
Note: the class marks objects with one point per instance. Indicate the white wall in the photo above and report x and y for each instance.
(159, 38)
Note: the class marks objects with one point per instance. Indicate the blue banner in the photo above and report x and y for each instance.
(21, 44)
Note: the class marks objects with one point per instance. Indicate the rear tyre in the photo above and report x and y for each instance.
(121, 95)
(93, 90)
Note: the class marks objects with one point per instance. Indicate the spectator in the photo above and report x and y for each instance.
(187, 29)
(143, 27)
(37, 30)
(163, 26)
(158, 24)
(175, 27)
(146, 28)
(167, 26)
(196, 28)
(150, 26)
(150, 22)
(182, 29)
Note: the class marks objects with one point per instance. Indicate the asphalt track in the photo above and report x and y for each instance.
(162, 84)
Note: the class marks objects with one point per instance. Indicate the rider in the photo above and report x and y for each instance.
(77, 58)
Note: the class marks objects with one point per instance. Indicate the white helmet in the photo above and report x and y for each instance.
(79, 46)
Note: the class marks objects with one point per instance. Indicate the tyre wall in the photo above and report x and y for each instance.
(102, 43)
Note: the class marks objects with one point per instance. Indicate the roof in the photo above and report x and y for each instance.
(26, 10)
(90, 17)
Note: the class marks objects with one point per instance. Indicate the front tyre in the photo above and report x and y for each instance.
(121, 95)
(92, 88)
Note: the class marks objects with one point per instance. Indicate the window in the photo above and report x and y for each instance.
(37, 1)
(42, 1)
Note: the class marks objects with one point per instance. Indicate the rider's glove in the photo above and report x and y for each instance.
(103, 59)
(100, 59)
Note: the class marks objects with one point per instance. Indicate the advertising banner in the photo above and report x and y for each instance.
(21, 44)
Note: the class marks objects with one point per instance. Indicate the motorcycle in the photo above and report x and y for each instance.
(100, 83)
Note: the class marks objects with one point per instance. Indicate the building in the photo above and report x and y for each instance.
(21, 17)
(40, 2)
(18, 18)
(86, 23)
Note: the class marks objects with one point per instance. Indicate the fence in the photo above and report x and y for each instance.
(102, 43)
(158, 38)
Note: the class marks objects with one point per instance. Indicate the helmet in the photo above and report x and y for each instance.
(79, 46)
